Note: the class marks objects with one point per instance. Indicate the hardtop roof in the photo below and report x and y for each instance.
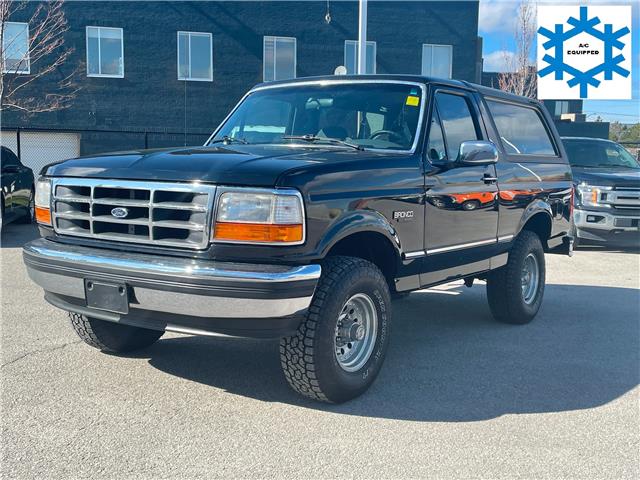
(481, 89)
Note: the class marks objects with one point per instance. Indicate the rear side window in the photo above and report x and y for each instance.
(521, 129)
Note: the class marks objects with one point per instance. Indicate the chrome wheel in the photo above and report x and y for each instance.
(356, 332)
(530, 278)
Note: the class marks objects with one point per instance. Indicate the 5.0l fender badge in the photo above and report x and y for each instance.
(120, 212)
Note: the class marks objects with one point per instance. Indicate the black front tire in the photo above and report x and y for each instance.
(112, 337)
(504, 285)
(309, 358)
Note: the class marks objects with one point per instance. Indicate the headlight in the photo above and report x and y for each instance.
(592, 196)
(260, 216)
(43, 201)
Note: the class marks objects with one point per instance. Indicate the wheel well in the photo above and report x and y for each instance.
(540, 224)
(370, 246)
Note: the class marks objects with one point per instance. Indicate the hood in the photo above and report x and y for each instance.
(607, 177)
(252, 165)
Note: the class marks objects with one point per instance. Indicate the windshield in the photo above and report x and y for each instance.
(369, 115)
(592, 154)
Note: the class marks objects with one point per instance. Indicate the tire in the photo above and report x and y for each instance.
(348, 288)
(112, 337)
(509, 299)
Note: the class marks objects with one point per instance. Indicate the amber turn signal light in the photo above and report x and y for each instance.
(43, 215)
(257, 232)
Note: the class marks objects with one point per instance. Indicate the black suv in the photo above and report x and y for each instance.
(311, 205)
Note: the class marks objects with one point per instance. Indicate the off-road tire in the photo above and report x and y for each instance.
(112, 337)
(504, 289)
(308, 358)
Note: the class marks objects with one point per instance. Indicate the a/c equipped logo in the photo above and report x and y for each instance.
(584, 52)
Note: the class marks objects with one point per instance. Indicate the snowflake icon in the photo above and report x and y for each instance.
(578, 26)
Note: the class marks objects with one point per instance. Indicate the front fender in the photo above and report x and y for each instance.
(358, 222)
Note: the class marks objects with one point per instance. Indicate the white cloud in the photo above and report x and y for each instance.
(498, 61)
(497, 16)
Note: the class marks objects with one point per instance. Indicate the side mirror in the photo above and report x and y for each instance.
(477, 152)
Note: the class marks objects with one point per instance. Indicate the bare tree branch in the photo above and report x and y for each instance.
(46, 55)
(521, 77)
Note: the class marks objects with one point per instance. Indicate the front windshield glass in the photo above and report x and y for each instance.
(370, 115)
(599, 154)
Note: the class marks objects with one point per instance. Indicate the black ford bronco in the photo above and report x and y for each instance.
(311, 205)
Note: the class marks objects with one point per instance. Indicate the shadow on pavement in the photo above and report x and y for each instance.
(450, 361)
(611, 248)
(15, 235)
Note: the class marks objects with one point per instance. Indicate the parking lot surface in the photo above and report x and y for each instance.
(460, 396)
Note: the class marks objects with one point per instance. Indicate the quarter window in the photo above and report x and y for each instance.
(195, 56)
(279, 58)
(436, 149)
(457, 121)
(437, 60)
(351, 57)
(15, 48)
(105, 52)
(520, 129)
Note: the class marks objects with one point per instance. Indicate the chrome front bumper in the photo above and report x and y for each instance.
(179, 294)
(605, 221)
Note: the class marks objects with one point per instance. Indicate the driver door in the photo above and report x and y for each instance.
(461, 212)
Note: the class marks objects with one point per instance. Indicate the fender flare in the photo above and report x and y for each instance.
(533, 209)
(360, 221)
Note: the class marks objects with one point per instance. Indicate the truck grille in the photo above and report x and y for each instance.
(626, 198)
(170, 214)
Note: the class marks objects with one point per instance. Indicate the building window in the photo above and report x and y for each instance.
(562, 106)
(351, 57)
(279, 58)
(437, 60)
(15, 48)
(195, 56)
(105, 52)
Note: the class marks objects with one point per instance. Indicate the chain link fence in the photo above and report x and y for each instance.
(38, 147)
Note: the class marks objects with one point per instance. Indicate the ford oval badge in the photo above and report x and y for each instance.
(120, 212)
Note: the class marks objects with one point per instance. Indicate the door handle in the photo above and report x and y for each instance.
(487, 178)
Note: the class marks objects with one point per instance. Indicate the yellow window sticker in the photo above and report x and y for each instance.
(413, 101)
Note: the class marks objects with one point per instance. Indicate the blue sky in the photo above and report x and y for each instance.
(496, 25)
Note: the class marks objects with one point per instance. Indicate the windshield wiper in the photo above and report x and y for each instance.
(315, 138)
(227, 140)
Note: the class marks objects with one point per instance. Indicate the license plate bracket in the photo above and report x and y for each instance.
(109, 296)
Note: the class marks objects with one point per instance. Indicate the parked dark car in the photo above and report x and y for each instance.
(607, 200)
(311, 204)
(17, 190)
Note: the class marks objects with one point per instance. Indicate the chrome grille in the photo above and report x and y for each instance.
(170, 214)
(625, 198)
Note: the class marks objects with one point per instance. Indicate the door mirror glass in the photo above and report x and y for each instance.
(477, 153)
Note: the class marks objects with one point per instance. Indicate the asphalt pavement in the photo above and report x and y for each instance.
(460, 395)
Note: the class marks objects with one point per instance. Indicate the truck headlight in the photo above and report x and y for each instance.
(592, 196)
(274, 217)
(43, 201)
